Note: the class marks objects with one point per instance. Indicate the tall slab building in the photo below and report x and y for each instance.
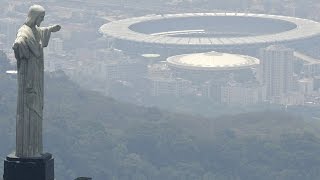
(277, 70)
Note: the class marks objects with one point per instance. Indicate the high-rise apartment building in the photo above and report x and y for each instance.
(277, 70)
(55, 46)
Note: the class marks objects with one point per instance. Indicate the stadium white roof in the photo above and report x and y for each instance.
(212, 61)
(120, 30)
(151, 55)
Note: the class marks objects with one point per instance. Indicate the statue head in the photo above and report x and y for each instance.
(35, 15)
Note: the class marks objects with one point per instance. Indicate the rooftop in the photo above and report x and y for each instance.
(212, 61)
(122, 29)
(11, 72)
(150, 55)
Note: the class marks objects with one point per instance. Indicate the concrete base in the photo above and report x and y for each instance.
(37, 168)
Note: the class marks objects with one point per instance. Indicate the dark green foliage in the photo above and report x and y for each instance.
(98, 137)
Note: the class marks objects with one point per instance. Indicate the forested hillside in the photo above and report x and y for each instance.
(91, 135)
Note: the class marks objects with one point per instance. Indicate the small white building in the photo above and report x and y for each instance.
(236, 93)
(306, 86)
(168, 86)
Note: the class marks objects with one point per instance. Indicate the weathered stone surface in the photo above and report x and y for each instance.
(28, 50)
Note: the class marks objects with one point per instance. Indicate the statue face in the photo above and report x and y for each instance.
(40, 19)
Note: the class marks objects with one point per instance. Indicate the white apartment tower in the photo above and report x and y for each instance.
(277, 70)
(56, 46)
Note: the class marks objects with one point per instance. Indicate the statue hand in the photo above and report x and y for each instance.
(18, 41)
(15, 46)
(55, 28)
(20, 48)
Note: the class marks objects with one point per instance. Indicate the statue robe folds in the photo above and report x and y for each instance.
(28, 49)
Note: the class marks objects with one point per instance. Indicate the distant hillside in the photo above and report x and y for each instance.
(91, 135)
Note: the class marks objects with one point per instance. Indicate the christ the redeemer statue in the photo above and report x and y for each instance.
(28, 50)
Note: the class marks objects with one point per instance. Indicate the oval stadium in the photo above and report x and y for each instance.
(212, 65)
(212, 61)
(202, 32)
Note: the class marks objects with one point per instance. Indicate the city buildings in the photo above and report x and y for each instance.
(222, 77)
(55, 46)
(287, 75)
(175, 87)
(277, 70)
(234, 93)
(147, 40)
(306, 86)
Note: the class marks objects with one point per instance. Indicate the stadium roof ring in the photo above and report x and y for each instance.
(211, 29)
(212, 61)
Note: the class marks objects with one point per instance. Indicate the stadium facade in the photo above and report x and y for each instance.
(173, 34)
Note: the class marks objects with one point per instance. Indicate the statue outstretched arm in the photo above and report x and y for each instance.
(55, 28)
(46, 33)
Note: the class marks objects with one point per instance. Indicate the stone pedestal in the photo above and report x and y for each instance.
(37, 168)
(83, 178)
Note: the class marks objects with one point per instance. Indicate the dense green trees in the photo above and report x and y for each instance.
(91, 135)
